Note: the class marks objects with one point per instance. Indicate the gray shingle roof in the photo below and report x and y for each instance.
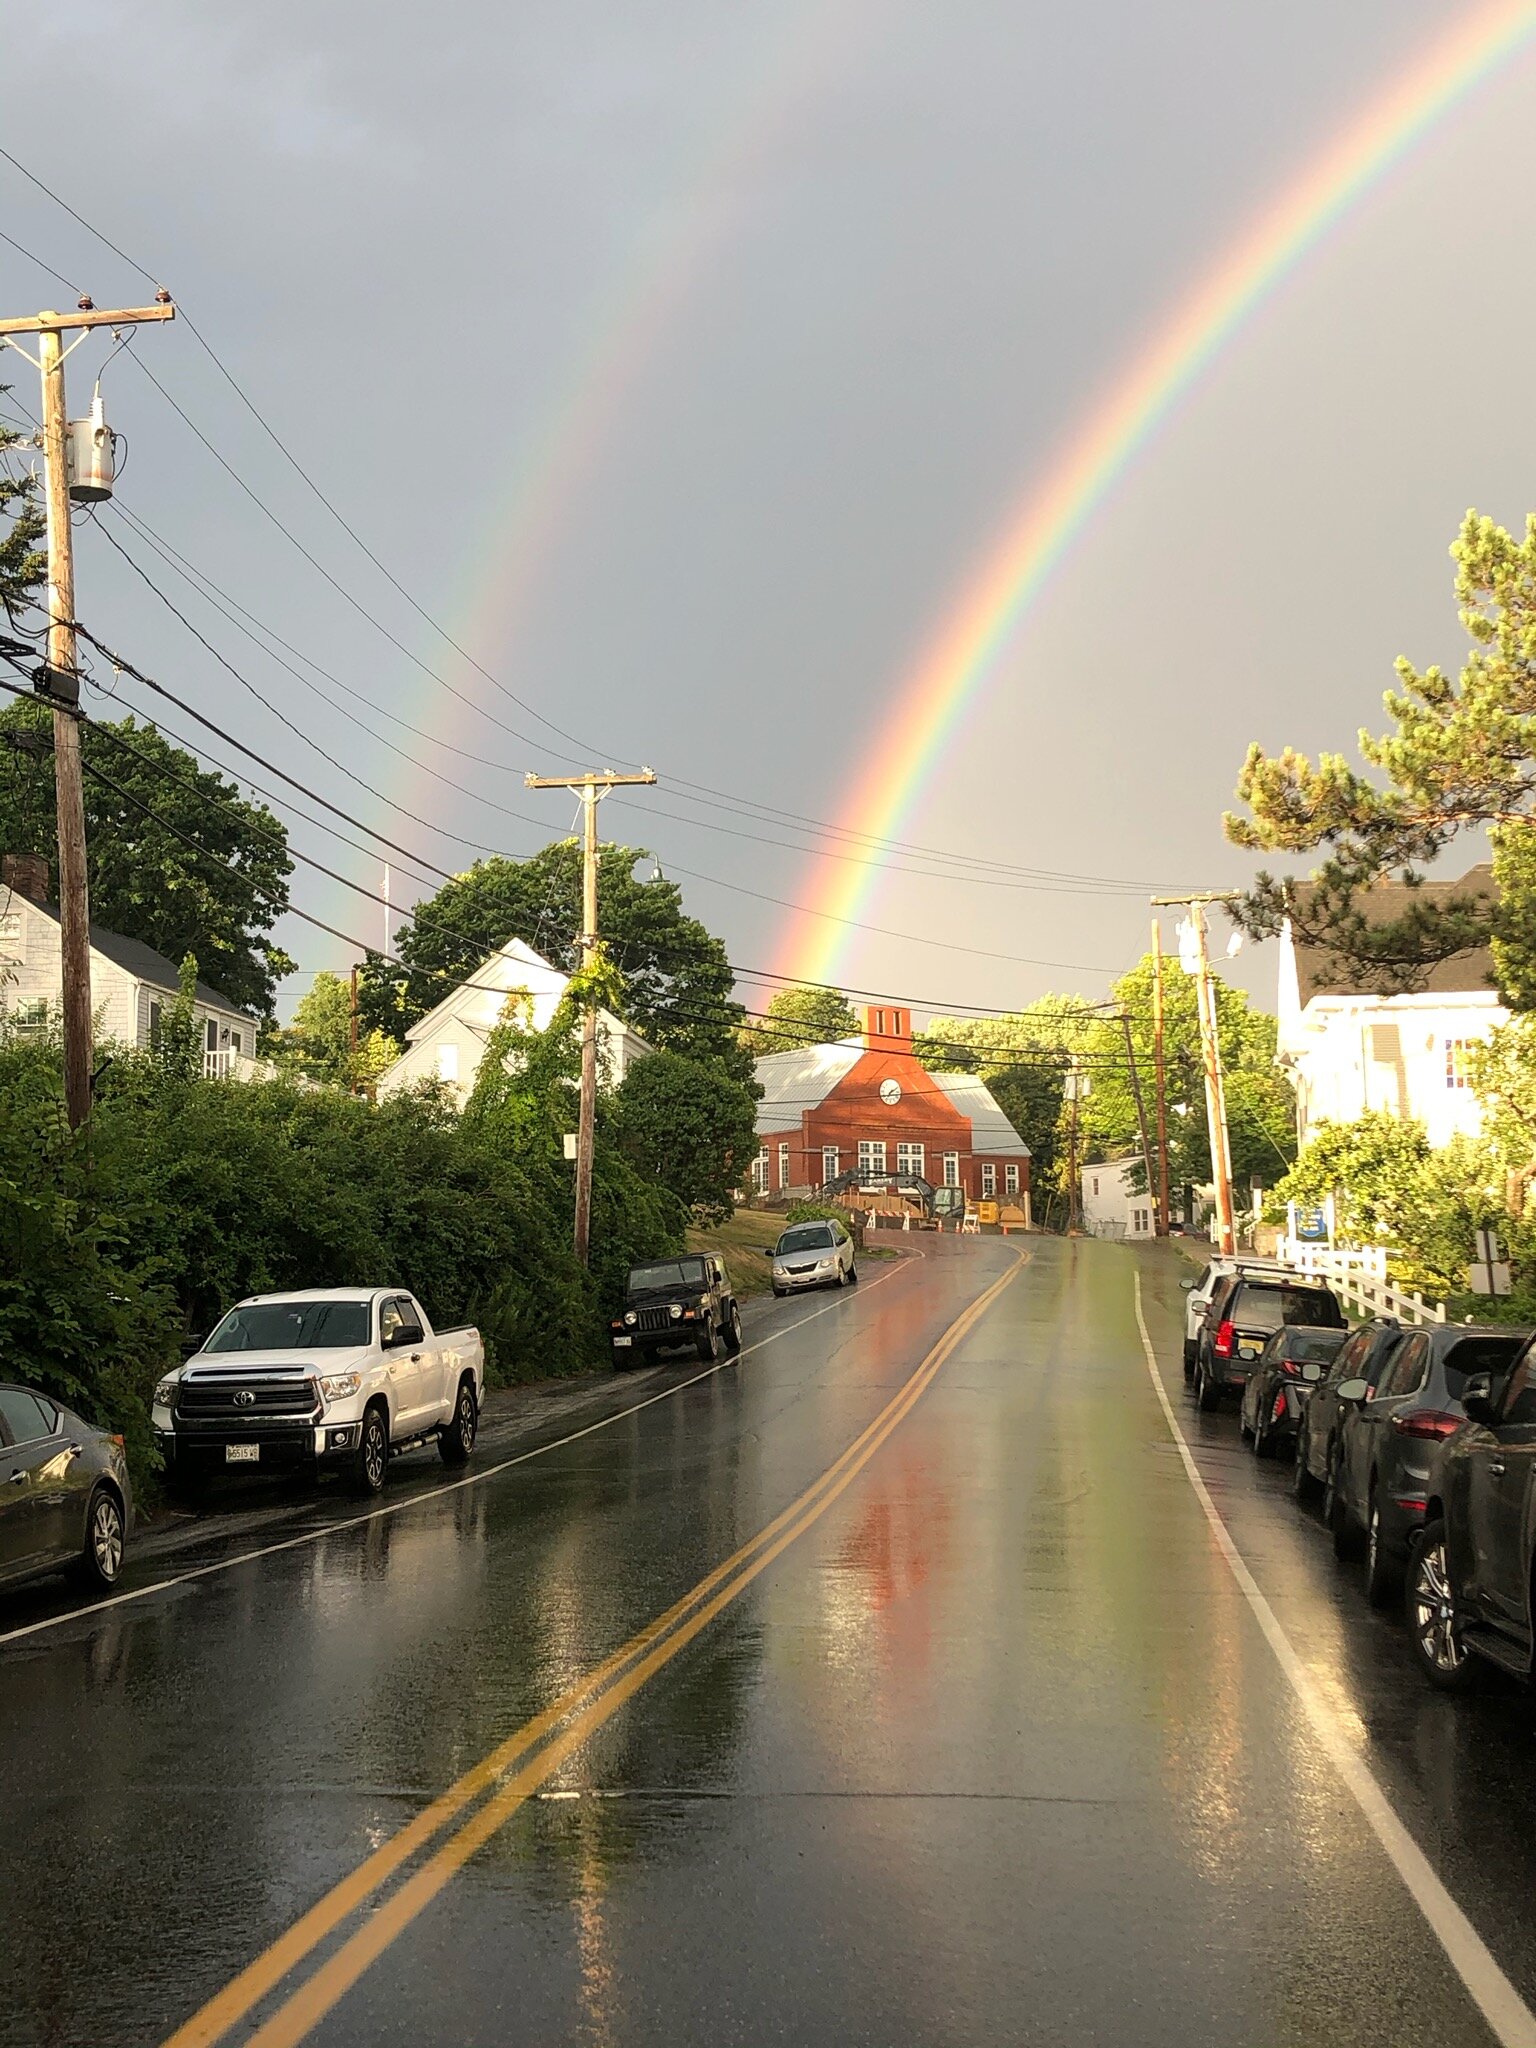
(145, 964)
(1321, 972)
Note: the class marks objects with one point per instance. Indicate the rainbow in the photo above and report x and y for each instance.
(965, 655)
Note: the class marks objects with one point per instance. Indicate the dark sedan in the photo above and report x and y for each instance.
(1280, 1384)
(65, 1500)
(1388, 1438)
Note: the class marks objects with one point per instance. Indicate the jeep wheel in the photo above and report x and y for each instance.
(370, 1461)
(732, 1330)
(456, 1439)
(709, 1347)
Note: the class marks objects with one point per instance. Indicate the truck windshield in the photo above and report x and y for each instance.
(669, 1273)
(292, 1326)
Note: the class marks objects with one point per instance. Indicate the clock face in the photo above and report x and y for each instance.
(890, 1091)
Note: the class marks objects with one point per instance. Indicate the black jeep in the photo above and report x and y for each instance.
(677, 1301)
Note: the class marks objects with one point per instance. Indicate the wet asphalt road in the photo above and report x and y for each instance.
(992, 1749)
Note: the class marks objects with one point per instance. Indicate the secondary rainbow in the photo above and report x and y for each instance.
(964, 655)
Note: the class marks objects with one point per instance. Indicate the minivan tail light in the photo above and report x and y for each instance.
(1222, 1342)
(1426, 1422)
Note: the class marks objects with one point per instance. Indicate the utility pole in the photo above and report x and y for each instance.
(1210, 1047)
(1074, 1184)
(1141, 1121)
(63, 679)
(1160, 1079)
(591, 789)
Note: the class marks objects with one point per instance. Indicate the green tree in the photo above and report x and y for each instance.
(677, 979)
(219, 898)
(318, 1043)
(1462, 757)
(1024, 1058)
(802, 1016)
(22, 562)
(688, 1126)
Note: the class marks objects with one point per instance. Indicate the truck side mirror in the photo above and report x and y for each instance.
(190, 1346)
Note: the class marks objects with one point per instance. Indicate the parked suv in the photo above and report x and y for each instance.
(1388, 1437)
(820, 1254)
(676, 1301)
(1201, 1290)
(1245, 1312)
(1469, 1577)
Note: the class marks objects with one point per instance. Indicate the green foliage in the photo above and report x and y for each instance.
(676, 977)
(318, 1043)
(145, 881)
(1024, 1059)
(800, 1017)
(815, 1212)
(23, 565)
(689, 1127)
(1462, 756)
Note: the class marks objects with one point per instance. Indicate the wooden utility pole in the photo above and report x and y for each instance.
(1141, 1122)
(591, 789)
(1074, 1182)
(63, 680)
(1210, 1048)
(1160, 1079)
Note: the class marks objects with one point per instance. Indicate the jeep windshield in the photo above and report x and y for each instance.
(669, 1276)
(292, 1326)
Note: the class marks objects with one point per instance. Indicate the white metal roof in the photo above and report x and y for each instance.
(801, 1079)
(990, 1129)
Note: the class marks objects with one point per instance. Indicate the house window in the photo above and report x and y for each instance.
(910, 1157)
(988, 1180)
(760, 1171)
(1011, 1179)
(783, 1166)
(1095, 1183)
(1457, 1053)
(156, 1019)
(829, 1167)
(448, 1062)
(951, 1169)
(871, 1156)
(31, 1015)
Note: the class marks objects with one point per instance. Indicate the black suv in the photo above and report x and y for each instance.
(1245, 1312)
(1469, 1576)
(677, 1301)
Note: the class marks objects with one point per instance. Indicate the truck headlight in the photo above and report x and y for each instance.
(165, 1394)
(337, 1386)
(676, 1311)
(630, 1317)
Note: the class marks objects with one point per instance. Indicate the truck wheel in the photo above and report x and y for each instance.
(370, 1461)
(709, 1348)
(732, 1330)
(456, 1439)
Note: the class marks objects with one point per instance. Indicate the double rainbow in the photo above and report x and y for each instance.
(965, 655)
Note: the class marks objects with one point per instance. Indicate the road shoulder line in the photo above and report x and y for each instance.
(1509, 2017)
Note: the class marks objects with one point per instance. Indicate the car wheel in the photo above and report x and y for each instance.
(1189, 1360)
(708, 1344)
(370, 1461)
(732, 1331)
(456, 1439)
(1207, 1393)
(100, 1564)
(842, 1276)
(853, 1272)
(1263, 1441)
(780, 1292)
(1433, 1624)
(1341, 1524)
(1381, 1574)
(1303, 1485)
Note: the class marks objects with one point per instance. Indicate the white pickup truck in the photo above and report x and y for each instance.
(336, 1376)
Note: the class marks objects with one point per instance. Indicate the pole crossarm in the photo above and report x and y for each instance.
(49, 322)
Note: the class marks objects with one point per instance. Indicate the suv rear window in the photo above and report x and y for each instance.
(1478, 1354)
(1258, 1307)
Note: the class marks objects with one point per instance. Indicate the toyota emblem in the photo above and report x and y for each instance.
(245, 1398)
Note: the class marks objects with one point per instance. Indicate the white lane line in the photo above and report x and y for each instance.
(400, 1507)
(1511, 2019)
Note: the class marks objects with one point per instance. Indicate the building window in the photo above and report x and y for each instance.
(1011, 1179)
(871, 1156)
(1457, 1057)
(910, 1158)
(30, 1015)
(448, 1062)
(1095, 1183)
(760, 1171)
(783, 1166)
(829, 1164)
(988, 1180)
(951, 1169)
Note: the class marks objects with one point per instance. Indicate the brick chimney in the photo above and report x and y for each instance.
(887, 1028)
(26, 873)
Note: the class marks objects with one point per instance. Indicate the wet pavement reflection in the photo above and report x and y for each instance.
(995, 1751)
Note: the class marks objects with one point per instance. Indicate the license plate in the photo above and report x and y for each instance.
(242, 1454)
(619, 1342)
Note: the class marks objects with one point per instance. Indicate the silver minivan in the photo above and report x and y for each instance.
(819, 1254)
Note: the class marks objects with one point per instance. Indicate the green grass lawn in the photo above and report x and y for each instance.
(744, 1243)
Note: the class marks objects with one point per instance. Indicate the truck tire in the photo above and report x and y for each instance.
(456, 1439)
(370, 1461)
(709, 1348)
(732, 1331)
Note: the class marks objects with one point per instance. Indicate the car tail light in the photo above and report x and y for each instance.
(1426, 1422)
(1278, 1414)
(1291, 1367)
(121, 1442)
(1221, 1344)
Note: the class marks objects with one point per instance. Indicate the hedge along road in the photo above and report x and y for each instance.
(991, 1745)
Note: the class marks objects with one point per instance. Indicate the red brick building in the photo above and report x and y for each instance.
(870, 1103)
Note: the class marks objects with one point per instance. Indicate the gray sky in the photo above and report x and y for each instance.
(682, 361)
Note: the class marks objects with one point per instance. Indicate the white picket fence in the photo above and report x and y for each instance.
(1359, 1277)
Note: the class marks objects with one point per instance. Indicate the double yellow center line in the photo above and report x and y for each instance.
(518, 1766)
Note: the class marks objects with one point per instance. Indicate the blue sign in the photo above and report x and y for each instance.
(1311, 1226)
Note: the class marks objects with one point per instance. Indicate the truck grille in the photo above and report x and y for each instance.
(654, 1319)
(246, 1400)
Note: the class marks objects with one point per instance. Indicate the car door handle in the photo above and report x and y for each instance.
(415, 1358)
(19, 1478)
(1496, 1466)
